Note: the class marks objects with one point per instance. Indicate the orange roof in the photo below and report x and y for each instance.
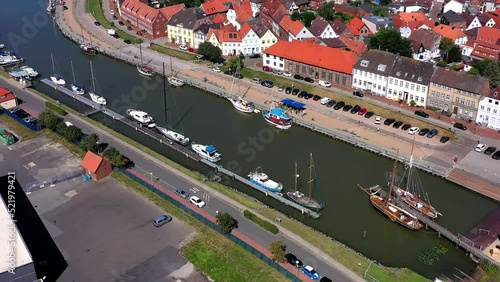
(495, 17)
(293, 27)
(355, 25)
(413, 17)
(245, 28)
(227, 33)
(314, 55)
(449, 32)
(243, 11)
(91, 161)
(488, 34)
(219, 18)
(140, 10)
(356, 46)
(6, 95)
(213, 7)
(170, 11)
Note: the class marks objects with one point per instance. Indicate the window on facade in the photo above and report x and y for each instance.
(412, 86)
(496, 102)
(263, 42)
(344, 80)
(488, 109)
(274, 63)
(390, 80)
(268, 41)
(355, 80)
(411, 97)
(424, 89)
(304, 70)
(383, 88)
(390, 91)
(310, 71)
(494, 111)
(422, 100)
(482, 107)
(337, 78)
(267, 62)
(281, 65)
(418, 87)
(297, 68)
(400, 83)
(323, 76)
(330, 76)
(407, 85)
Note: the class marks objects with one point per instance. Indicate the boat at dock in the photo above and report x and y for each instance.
(9, 60)
(141, 117)
(76, 88)
(95, 98)
(144, 69)
(175, 81)
(208, 152)
(261, 179)
(278, 117)
(300, 198)
(238, 101)
(88, 49)
(56, 78)
(30, 71)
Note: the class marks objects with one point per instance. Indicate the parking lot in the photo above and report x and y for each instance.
(481, 164)
(103, 230)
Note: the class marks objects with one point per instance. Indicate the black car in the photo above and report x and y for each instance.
(369, 114)
(316, 97)
(302, 94)
(116, 35)
(121, 23)
(288, 90)
(406, 126)
(97, 23)
(389, 121)
(496, 155)
(432, 133)
(115, 18)
(397, 124)
(355, 109)
(460, 126)
(339, 105)
(422, 114)
(308, 79)
(295, 91)
(347, 108)
(298, 77)
(22, 114)
(331, 103)
(255, 56)
(423, 131)
(325, 279)
(228, 72)
(357, 93)
(129, 28)
(490, 150)
(308, 96)
(238, 75)
(126, 41)
(293, 260)
(267, 83)
(444, 139)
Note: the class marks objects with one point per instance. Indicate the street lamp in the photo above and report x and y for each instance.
(151, 174)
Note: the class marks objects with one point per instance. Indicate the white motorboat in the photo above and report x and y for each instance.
(207, 152)
(2, 46)
(175, 81)
(97, 99)
(30, 71)
(10, 60)
(56, 78)
(141, 117)
(261, 179)
(174, 135)
(77, 89)
(242, 105)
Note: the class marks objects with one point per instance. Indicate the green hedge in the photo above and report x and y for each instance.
(55, 108)
(263, 223)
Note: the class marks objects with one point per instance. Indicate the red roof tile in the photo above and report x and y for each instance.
(315, 55)
(6, 95)
(243, 11)
(220, 18)
(148, 14)
(170, 11)
(293, 27)
(213, 7)
(355, 25)
(226, 33)
(91, 161)
(245, 28)
(356, 46)
(449, 32)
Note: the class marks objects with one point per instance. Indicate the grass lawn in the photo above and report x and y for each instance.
(4, 74)
(6, 122)
(313, 88)
(94, 7)
(395, 275)
(172, 52)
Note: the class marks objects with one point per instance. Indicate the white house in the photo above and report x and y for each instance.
(255, 5)
(231, 18)
(475, 23)
(425, 44)
(250, 41)
(322, 29)
(295, 29)
(226, 38)
(489, 110)
(371, 71)
(409, 81)
(200, 35)
(274, 62)
(454, 6)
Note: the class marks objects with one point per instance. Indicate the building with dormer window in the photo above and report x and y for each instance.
(371, 72)
(182, 26)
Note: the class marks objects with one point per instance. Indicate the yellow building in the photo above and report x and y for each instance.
(182, 25)
(267, 40)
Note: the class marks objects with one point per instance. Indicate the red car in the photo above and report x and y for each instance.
(192, 50)
(362, 111)
(266, 68)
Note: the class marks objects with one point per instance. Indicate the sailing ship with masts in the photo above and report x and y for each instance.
(55, 77)
(300, 198)
(142, 68)
(410, 191)
(385, 204)
(77, 88)
(87, 48)
(239, 102)
(173, 79)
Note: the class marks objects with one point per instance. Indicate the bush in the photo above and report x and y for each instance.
(259, 221)
(55, 108)
(48, 120)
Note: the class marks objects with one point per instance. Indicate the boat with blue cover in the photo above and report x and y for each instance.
(278, 117)
(261, 179)
(207, 152)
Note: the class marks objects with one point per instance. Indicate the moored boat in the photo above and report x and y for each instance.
(278, 117)
(9, 60)
(242, 105)
(174, 135)
(261, 179)
(88, 49)
(95, 98)
(30, 71)
(300, 198)
(141, 117)
(145, 70)
(175, 81)
(77, 89)
(207, 152)
(58, 79)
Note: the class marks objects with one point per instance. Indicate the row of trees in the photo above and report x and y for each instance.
(488, 69)
(327, 12)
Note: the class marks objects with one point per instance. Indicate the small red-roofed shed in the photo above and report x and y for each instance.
(96, 166)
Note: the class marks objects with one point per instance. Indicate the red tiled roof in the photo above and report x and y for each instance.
(356, 46)
(220, 18)
(140, 10)
(245, 28)
(226, 33)
(495, 17)
(213, 7)
(355, 25)
(243, 11)
(91, 161)
(403, 19)
(293, 27)
(6, 95)
(170, 11)
(315, 55)
(449, 32)
(495, 93)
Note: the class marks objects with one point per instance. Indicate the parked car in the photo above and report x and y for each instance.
(413, 130)
(357, 93)
(181, 193)
(480, 147)
(423, 131)
(308, 96)
(302, 94)
(266, 68)
(114, 17)
(197, 201)
(97, 23)
(126, 41)
(362, 111)
(339, 105)
(298, 77)
(22, 114)
(331, 103)
(238, 75)
(140, 33)
(278, 72)
(216, 69)
(460, 126)
(308, 79)
(121, 23)
(432, 133)
(228, 72)
(288, 90)
(256, 80)
(295, 91)
(281, 88)
(267, 83)
(325, 101)
(255, 56)
(129, 28)
(389, 121)
(325, 279)
(199, 56)
(369, 114)
(325, 83)
(183, 47)
(406, 126)
(490, 150)
(347, 108)
(287, 74)
(355, 109)
(293, 260)
(422, 114)
(316, 97)
(378, 120)
(397, 124)
(310, 272)
(192, 50)
(14, 110)
(161, 220)
(496, 155)
(444, 139)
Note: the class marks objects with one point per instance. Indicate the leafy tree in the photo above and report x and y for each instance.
(233, 64)
(343, 17)
(454, 55)
(492, 72)
(61, 127)
(327, 12)
(49, 120)
(295, 16)
(481, 66)
(278, 250)
(474, 71)
(381, 11)
(446, 44)
(226, 222)
(73, 133)
(89, 142)
(114, 156)
(390, 40)
(209, 51)
(305, 17)
(356, 3)
(413, 103)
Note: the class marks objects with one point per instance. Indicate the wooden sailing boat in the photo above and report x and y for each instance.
(142, 68)
(306, 201)
(385, 205)
(169, 133)
(173, 79)
(87, 48)
(95, 98)
(413, 194)
(77, 89)
(238, 102)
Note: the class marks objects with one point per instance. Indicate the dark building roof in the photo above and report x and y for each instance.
(427, 38)
(318, 25)
(412, 70)
(376, 61)
(333, 42)
(203, 28)
(338, 26)
(453, 17)
(258, 26)
(188, 18)
(460, 80)
(367, 7)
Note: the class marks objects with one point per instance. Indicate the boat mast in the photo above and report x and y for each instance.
(311, 179)
(165, 90)
(92, 77)
(73, 71)
(392, 180)
(53, 65)
(410, 164)
(296, 176)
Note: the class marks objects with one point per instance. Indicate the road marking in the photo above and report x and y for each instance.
(194, 190)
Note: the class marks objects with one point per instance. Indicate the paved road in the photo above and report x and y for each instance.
(215, 201)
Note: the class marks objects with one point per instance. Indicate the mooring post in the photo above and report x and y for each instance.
(439, 234)
(364, 234)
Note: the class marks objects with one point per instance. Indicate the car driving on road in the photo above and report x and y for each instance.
(197, 202)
